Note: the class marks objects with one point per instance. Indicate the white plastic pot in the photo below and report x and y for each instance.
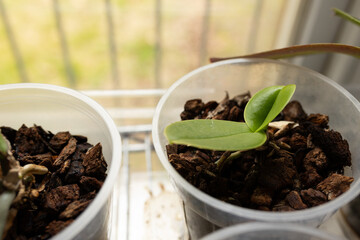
(317, 94)
(61, 109)
(270, 231)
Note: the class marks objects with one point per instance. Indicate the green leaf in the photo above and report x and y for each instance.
(258, 107)
(4, 148)
(214, 134)
(223, 135)
(3, 145)
(266, 104)
(300, 50)
(281, 101)
(347, 16)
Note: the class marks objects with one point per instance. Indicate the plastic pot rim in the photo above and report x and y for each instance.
(253, 227)
(103, 195)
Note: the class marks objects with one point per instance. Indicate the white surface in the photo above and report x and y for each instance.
(155, 210)
(158, 214)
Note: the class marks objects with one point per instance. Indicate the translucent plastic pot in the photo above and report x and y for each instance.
(61, 109)
(317, 94)
(269, 231)
(349, 219)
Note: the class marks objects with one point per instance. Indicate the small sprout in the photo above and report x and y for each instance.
(30, 169)
(214, 134)
(9, 167)
(10, 183)
(300, 50)
(229, 136)
(265, 105)
(223, 135)
(347, 16)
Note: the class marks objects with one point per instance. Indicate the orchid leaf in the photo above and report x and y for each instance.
(301, 50)
(347, 16)
(3, 145)
(224, 135)
(259, 106)
(214, 134)
(4, 148)
(6, 197)
(266, 104)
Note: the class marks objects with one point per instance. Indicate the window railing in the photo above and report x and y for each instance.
(202, 26)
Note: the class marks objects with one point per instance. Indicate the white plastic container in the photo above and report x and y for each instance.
(61, 109)
(349, 219)
(270, 231)
(316, 93)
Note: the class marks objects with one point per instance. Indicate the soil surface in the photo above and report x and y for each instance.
(51, 202)
(300, 166)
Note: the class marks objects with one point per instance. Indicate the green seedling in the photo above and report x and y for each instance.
(224, 135)
(11, 177)
(346, 16)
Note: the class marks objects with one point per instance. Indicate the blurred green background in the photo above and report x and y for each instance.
(84, 22)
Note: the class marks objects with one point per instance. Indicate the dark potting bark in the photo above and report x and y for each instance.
(300, 166)
(51, 202)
